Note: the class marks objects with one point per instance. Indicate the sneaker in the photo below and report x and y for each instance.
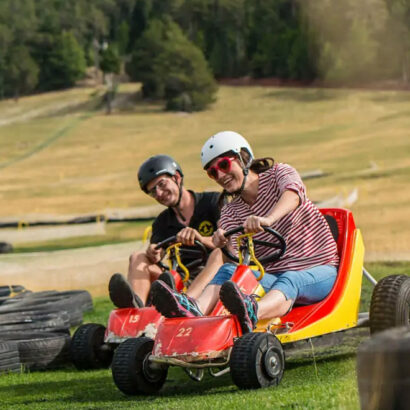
(243, 306)
(121, 293)
(168, 279)
(172, 304)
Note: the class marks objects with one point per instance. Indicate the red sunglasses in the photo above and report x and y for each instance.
(223, 165)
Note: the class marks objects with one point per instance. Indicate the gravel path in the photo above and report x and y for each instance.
(85, 268)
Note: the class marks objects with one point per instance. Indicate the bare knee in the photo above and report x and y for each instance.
(137, 259)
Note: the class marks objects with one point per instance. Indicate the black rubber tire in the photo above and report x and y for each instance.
(383, 370)
(390, 303)
(257, 360)
(88, 350)
(75, 315)
(40, 351)
(9, 357)
(130, 368)
(6, 290)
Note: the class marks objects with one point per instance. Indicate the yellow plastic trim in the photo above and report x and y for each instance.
(345, 313)
(176, 247)
(251, 252)
(147, 234)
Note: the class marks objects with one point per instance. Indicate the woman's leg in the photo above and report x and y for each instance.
(305, 287)
(213, 263)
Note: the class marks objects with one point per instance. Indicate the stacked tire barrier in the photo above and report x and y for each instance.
(383, 361)
(35, 327)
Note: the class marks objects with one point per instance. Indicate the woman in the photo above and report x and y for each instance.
(262, 194)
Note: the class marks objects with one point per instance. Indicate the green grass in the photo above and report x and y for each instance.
(93, 164)
(327, 382)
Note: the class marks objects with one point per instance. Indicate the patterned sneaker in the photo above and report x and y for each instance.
(243, 306)
(172, 304)
(121, 293)
(168, 279)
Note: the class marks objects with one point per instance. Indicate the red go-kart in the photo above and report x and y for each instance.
(256, 359)
(93, 345)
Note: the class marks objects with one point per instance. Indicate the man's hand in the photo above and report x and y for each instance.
(188, 235)
(153, 255)
(219, 239)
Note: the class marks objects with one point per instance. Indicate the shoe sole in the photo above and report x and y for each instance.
(166, 303)
(231, 298)
(121, 293)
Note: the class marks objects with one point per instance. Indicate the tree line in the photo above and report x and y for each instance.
(177, 48)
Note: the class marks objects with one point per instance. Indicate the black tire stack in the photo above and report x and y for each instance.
(383, 361)
(35, 327)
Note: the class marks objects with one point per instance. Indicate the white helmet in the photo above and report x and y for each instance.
(222, 142)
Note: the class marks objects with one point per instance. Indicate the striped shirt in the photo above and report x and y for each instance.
(307, 234)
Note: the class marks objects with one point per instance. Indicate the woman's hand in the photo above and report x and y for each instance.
(188, 235)
(218, 238)
(255, 223)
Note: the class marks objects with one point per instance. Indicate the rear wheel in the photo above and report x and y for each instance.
(390, 303)
(257, 360)
(132, 372)
(88, 350)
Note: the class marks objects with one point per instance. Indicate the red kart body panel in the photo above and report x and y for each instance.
(207, 337)
(132, 322)
(124, 323)
(196, 338)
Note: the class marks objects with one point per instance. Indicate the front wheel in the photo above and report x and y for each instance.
(132, 372)
(390, 303)
(257, 360)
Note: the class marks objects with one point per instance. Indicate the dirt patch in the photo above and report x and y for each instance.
(86, 268)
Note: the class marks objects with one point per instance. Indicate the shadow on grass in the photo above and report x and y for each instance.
(87, 387)
(304, 95)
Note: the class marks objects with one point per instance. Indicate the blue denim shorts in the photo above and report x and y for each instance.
(303, 286)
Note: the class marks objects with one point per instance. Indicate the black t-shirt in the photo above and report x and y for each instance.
(204, 218)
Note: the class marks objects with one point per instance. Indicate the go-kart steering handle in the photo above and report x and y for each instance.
(201, 254)
(281, 246)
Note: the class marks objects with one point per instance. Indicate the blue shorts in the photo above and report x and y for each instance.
(303, 287)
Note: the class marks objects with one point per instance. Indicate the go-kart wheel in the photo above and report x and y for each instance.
(257, 360)
(131, 370)
(88, 350)
(390, 303)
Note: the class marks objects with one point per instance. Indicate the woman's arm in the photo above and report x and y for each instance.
(287, 203)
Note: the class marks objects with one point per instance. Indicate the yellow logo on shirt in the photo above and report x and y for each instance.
(206, 228)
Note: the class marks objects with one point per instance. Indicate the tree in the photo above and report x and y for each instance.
(67, 61)
(21, 71)
(171, 67)
(110, 64)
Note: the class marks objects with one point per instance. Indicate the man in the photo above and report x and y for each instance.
(189, 215)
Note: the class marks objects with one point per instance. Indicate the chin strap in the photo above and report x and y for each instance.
(245, 170)
(176, 206)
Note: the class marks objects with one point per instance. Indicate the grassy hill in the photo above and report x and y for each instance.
(59, 155)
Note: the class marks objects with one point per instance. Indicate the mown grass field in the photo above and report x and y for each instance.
(325, 382)
(60, 156)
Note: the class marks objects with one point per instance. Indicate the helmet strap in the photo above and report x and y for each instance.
(176, 206)
(245, 170)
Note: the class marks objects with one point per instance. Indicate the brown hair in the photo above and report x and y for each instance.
(258, 165)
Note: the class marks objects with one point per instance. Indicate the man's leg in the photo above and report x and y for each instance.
(214, 262)
(141, 273)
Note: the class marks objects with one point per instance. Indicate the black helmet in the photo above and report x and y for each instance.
(155, 166)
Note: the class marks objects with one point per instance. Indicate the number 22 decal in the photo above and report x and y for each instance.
(184, 332)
